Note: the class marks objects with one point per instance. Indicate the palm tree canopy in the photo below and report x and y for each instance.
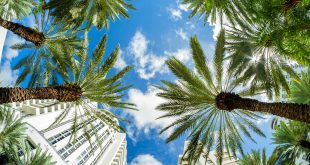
(12, 129)
(10, 9)
(293, 140)
(192, 102)
(259, 158)
(255, 52)
(300, 91)
(47, 63)
(94, 12)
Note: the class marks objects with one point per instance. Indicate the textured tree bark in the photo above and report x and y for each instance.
(27, 33)
(62, 93)
(293, 111)
(289, 4)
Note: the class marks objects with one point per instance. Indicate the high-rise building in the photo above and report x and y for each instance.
(108, 146)
(210, 160)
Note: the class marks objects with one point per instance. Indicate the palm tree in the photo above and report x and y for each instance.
(10, 9)
(258, 158)
(12, 129)
(195, 104)
(47, 63)
(293, 140)
(300, 91)
(204, 104)
(256, 54)
(88, 80)
(96, 12)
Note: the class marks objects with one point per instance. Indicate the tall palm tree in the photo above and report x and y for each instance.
(94, 12)
(258, 158)
(293, 139)
(203, 104)
(47, 63)
(12, 129)
(194, 102)
(258, 55)
(300, 91)
(88, 80)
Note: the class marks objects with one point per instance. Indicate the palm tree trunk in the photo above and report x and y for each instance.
(293, 111)
(289, 4)
(62, 93)
(27, 33)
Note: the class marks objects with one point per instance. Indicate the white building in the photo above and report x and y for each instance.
(40, 114)
(211, 160)
(2, 39)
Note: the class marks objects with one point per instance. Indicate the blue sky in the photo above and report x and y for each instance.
(155, 31)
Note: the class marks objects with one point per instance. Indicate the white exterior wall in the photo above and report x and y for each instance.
(3, 33)
(39, 117)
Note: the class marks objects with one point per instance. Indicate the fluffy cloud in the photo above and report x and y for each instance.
(181, 34)
(145, 118)
(120, 63)
(7, 76)
(175, 14)
(3, 33)
(147, 63)
(184, 7)
(146, 159)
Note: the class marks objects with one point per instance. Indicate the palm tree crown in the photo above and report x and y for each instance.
(10, 9)
(193, 101)
(300, 91)
(94, 12)
(47, 63)
(293, 139)
(259, 158)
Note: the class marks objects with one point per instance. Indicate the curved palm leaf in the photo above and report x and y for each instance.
(300, 91)
(192, 101)
(293, 140)
(96, 12)
(10, 9)
(258, 158)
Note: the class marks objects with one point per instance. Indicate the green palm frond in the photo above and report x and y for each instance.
(254, 53)
(93, 12)
(47, 63)
(192, 103)
(12, 128)
(10, 9)
(300, 91)
(259, 158)
(293, 141)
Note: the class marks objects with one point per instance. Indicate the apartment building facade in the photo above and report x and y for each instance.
(108, 146)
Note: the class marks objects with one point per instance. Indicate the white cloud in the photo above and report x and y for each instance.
(147, 63)
(7, 76)
(120, 63)
(181, 34)
(12, 39)
(184, 55)
(175, 14)
(145, 159)
(184, 7)
(145, 118)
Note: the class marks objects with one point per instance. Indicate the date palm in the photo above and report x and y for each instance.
(293, 140)
(300, 91)
(259, 158)
(194, 101)
(94, 12)
(47, 63)
(203, 104)
(87, 81)
(258, 55)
